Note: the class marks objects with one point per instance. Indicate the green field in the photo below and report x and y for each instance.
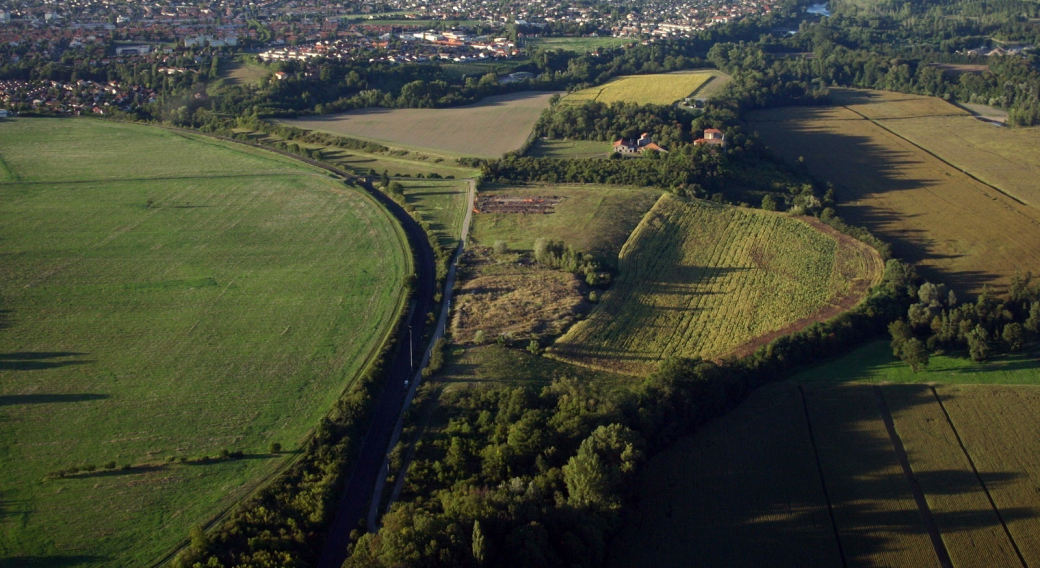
(543, 148)
(577, 44)
(442, 204)
(487, 129)
(661, 89)
(592, 219)
(874, 363)
(168, 296)
(702, 279)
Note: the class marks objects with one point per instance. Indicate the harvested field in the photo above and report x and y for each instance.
(662, 89)
(702, 279)
(488, 129)
(593, 219)
(517, 204)
(744, 492)
(898, 164)
(168, 296)
(507, 296)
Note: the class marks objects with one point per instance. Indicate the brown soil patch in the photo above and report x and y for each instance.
(518, 204)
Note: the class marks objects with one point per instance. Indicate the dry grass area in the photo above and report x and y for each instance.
(702, 279)
(662, 89)
(959, 230)
(487, 129)
(507, 295)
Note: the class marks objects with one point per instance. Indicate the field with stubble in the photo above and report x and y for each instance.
(167, 298)
(699, 279)
(951, 193)
(487, 129)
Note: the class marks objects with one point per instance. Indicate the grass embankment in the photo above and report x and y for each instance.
(702, 279)
(169, 296)
(902, 167)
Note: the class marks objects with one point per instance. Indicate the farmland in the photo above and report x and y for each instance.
(488, 129)
(154, 313)
(577, 44)
(903, 167)
(702, 279)
(754, 488)
(592, 219)
(663, 89)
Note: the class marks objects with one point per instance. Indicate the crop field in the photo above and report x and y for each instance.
(953, 478)
(168, 296)
(543, 148)
(442, 204)
(702, 279)
(661, 89)
(487, 129)
(577, 44)
(898, 164)
(592, 219)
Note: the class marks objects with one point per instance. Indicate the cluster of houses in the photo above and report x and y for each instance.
(407, 47)
(712, 137)
(1000, 51)
(73, 98)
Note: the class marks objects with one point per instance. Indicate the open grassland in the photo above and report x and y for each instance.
(874, 363)
(168, 296)
(702, 279)
(543, 148)
(744, 492)
(487, 129)
(592, 219)
(898, 163)
(242, 73)
(661, 89)
(442, 204)
(577, 44)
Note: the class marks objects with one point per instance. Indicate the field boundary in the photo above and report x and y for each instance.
(823, 479)
(978, 476)
(877, 123)
(927, 518)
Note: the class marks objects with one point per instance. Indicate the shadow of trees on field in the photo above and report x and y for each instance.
(16, 399)
(901, 195)
(753, 489)
(37, 360)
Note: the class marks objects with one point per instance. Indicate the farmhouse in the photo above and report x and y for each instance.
(640, 146)
(713, 137)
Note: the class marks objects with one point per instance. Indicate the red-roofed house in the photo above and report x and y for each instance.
(713, 137)
(637, 146)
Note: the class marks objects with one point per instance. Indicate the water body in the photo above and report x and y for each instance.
(820, 9)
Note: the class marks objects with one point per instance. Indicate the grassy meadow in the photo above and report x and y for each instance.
(592, 219)
(577, 44)
(898, 164)
(167, 296)
(487, 129)
(660, 89)
(544, 148)
(702, 279)
(442, 204)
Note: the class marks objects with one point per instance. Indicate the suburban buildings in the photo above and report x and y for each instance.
(641, 146)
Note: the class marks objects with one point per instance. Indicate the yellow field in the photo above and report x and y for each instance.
(957, 229)
(702, 279)
(663, 89)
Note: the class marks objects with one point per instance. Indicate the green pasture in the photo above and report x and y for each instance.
(442, 204)
(543, 148)
(577, 44)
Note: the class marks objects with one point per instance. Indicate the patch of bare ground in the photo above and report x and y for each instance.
(510, 295)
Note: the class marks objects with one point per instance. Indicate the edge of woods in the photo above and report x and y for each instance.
(306, 488)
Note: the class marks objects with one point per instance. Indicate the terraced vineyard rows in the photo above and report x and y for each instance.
(702, 279)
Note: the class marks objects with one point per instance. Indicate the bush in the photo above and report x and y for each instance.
(501, 247)
(274, 448)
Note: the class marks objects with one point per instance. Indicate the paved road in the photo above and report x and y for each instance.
(442, 322)
(370, 470)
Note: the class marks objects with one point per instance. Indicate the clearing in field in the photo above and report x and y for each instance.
(698, 279)
(488, 129)
(898, 164)
(544, 148)
(592, 219)
(662, 89)
(577, 44)
(909, 473)
(168, 296)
